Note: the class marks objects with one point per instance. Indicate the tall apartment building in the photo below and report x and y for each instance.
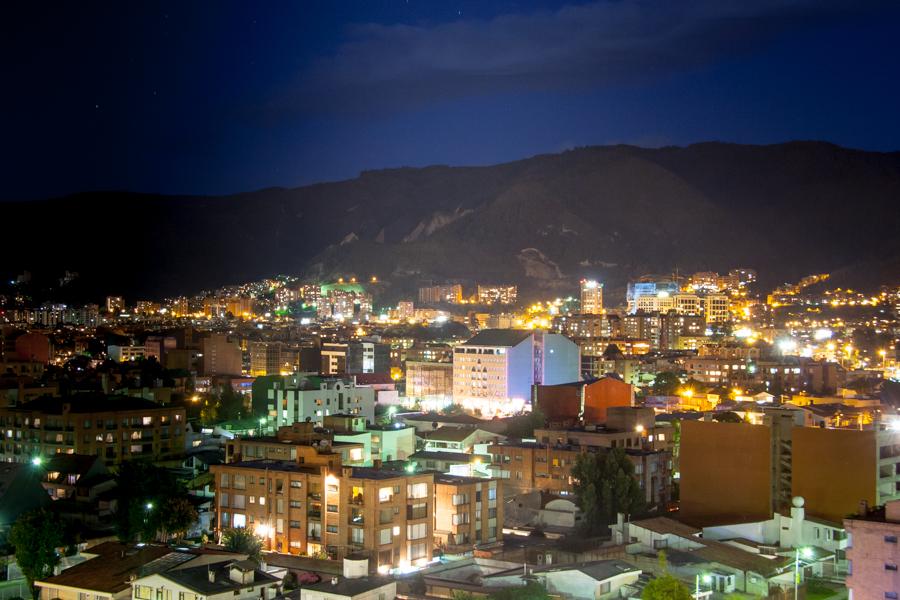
(467, 511)
(273, 358)
(497, 294)
(406, 310)
(304, 397)
(739, 471)
(115, 428)
(429, 381)
(115, 304)
(648, 287)
(591, 297)
(354, 358)
(642, 326)
(588, 326)
(221, 356)
(493, 372)
(716, 308)
(436, 294)
(312, 509)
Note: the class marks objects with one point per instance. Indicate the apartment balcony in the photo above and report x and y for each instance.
(314, 514)
(357, 500)
(416, 513)
(315, 496)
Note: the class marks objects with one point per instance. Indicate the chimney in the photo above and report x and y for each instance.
(334, 581)
(863, 508)
(211, 575)
(376, 463)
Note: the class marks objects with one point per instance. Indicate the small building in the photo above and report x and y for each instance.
(567, 404)
(874, 552)
(233, 580)
(356, 584)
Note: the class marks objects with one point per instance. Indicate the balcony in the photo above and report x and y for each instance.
(358, 500)
(356, 518)
(314, 514)
(315, 496)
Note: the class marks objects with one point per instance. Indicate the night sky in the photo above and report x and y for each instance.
(220, 97)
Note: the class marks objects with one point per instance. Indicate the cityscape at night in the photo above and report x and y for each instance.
(450, 300)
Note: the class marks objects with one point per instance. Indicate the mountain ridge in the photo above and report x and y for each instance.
(611, 212)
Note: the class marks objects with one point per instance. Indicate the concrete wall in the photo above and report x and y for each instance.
(725, 472)
(833, 470)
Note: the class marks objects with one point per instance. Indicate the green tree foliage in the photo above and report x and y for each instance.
(666, 384)
(243, 541)
(146, 496)
(231, 405)
(176, 517)
(605, 485)
(36, 536)
(666, 588)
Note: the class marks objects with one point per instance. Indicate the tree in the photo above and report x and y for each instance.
(142, 493)
(243, 541)
(666, 588)
(666, 384)
(36, 536)
(605, 486)
(231, 405)
(177, 516)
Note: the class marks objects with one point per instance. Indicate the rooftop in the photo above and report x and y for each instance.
(197, 578)
(451, 434)
(350, 586)
(275, 465)
(110, 570)
(88, 403)
(505, 338)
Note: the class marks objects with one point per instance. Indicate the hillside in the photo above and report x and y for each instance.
(543, 222)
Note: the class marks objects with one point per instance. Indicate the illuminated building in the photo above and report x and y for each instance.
(546, 465)
(114, 304)
(493, 372)
(468, 512)
(115, 428)
(591, 297)
(312, 509)
(304, 397)
(220, 355)
(648, 287)
(334, 358)
(356, 357)
(497, 294)
(125, 353)
(436, 294)
(240, 307)
(272, 358)
(405, 310)
(430, 383)
(588, 326)
(716, 308)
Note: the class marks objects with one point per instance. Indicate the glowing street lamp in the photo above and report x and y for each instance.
(37, 461)
(806, 553)
(706, 579)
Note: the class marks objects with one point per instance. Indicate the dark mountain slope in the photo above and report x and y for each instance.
(543, 222)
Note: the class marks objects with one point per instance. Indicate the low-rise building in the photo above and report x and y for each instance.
(306, 397)
(232, 580)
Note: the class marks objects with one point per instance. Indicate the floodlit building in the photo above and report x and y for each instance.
(591, 297)
(493, 372)
(306, 397)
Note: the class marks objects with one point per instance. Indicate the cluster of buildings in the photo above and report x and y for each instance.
(362, 444)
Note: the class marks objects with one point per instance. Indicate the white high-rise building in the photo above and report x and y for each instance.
(591, 297)
(493, 372)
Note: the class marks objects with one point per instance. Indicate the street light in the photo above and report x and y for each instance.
(807, 553)
(37, 461)
(706, 579)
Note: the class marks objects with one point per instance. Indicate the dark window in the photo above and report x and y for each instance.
(890, 539)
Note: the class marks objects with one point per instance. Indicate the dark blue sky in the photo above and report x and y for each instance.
(218, 97)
